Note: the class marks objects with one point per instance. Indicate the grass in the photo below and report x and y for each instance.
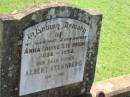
(114, 49)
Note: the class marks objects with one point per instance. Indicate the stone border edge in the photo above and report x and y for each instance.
(18, 15)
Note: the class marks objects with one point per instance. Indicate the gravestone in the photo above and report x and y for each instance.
(48, 50)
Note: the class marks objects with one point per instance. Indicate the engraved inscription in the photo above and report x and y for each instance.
(53, 54)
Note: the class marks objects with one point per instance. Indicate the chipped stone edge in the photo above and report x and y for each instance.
(18, 15)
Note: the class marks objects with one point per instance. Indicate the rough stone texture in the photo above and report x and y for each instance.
(11, 36)
(114, 87)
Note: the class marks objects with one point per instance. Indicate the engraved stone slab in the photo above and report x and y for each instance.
(53, 54)
(48, 50)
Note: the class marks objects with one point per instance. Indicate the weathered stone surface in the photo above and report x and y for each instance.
(13, 42)
(114, 87)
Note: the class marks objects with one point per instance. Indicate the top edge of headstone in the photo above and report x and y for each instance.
(18, 15)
